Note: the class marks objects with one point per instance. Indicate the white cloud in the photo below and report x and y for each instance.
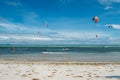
(18, 27)
(13, 3)
(26, 38)
(108, 3)
(60, 37)
(115, 26)
(104, 2)
(66, 1)
(10, 26)
(108, 7)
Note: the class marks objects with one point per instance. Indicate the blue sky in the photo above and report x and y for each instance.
(69, 21)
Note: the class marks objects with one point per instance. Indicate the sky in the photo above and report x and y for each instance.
(59, 22)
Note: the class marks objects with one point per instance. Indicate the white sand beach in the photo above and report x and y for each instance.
(59, 71)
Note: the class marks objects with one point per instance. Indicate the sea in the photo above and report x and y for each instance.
(60, 53)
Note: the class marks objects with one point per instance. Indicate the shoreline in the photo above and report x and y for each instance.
(55, 62)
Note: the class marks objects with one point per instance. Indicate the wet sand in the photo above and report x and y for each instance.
(19, 70)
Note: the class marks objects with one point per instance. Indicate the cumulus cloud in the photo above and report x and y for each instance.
(108, 7)
(66, 1)
(108, 3)
(115, 26)
(13, 27)
(13, 3)
(59, 37)
(27, 38)
(10, 26)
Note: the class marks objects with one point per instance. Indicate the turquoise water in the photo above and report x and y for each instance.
(80, 53)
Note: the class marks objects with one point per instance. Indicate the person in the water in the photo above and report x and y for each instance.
(12, 49)
(45, 50)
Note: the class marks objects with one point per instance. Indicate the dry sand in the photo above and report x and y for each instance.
(59, 71)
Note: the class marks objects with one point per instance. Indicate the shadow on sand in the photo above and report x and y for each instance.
(118, 77)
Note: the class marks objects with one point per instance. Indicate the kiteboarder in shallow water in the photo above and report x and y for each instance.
(12, 50)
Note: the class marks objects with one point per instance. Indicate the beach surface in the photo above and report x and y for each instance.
(11, 70)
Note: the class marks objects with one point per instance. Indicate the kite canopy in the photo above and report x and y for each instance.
(96, 19)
